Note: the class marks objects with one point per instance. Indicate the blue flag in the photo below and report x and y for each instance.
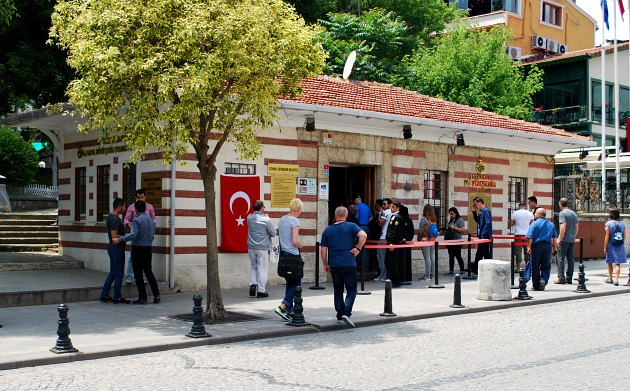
(605, 5)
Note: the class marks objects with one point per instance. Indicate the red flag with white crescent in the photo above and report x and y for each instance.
(238, 194)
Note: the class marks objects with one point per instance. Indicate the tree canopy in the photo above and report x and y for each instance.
(170, 74)
(7, 10)
(32, 73)
(18, 159)
(469, 66)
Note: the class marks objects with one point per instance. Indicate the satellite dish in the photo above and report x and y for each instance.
(347, 69)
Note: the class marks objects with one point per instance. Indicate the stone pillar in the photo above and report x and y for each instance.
(494, 280)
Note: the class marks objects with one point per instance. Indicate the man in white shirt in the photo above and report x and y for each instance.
(520, 220)
(383, 221)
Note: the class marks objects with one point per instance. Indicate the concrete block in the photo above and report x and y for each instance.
(494, 280)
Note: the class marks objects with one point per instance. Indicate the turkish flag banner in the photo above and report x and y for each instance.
(238, 194)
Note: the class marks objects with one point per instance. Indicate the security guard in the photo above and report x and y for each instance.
(395, 235)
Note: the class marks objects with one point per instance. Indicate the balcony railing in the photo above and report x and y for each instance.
(561, 116)
(610, 116)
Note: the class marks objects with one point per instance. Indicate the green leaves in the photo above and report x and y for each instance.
(469, 66)
(18, 159)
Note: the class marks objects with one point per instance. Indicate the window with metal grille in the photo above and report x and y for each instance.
(435, 185)
(517, 193)
(80, 194)
(102, 192)
(129, 183)
(240, 169)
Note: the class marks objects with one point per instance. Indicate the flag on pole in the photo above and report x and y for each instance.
(605, 7)
(238, 194)
(621, 9)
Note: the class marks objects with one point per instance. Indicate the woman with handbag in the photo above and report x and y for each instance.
(614, 249)
(454, 230)
(290, 264)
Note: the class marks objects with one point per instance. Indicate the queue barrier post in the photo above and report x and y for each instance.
(469, 276)
(317, 286)
(363, 254)
(436, 283)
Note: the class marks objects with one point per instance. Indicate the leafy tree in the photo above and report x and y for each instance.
(376, 36)
(171, 74)
(7, 11)
(469, 66)
(18, 159)
(313, 10)
(32, 73)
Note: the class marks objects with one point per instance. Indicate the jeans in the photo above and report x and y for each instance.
(116, 271)
(483, 252)
(455, 252)
(539, 266)
(380, 256)
(344, 277)
(428, 253)
(566, 253)
(259, 260)
(289, 293)
(141, 256)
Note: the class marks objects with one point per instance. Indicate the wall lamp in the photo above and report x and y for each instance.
(583, 154)
(407, 132)
(459, 137)
(309, 123)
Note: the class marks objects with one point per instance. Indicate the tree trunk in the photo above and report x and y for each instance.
(214, 303)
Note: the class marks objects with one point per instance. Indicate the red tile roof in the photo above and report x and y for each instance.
(385, 98)
(588, 53)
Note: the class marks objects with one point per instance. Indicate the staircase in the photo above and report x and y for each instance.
(21, 232)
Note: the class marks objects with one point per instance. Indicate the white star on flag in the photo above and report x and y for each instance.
(240, 221)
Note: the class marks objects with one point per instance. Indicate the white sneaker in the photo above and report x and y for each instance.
(346, 319)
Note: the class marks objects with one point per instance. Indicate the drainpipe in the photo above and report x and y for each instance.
(171, 226)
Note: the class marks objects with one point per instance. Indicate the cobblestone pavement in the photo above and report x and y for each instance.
(569, 345)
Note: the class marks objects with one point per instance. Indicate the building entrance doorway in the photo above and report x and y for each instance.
(348, 182)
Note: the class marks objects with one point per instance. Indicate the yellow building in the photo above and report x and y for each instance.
(539, 26)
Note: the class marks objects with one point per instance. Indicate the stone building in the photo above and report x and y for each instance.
(339, 139)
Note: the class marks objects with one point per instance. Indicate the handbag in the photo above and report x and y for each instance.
(290, 266)
(449, 234)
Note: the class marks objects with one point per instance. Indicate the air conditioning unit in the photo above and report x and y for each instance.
(539, 42)
(563, 49)
(552, 46)
(513, 52)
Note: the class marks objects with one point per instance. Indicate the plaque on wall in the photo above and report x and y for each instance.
(152, 186)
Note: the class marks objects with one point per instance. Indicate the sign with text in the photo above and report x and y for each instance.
(152, 186)
(283, 169)
(282, 190)
(307, 186)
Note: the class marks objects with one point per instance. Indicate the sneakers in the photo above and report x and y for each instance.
(121, 301)
(106, 299)
(560, 281)
(340, 321)
(128, 281)
(282, 313)
(346, 319)
(252, 290)
(616, 283)
(451, 273)
(261, 295)
(426, 277)
(462, 273)
(609, 281)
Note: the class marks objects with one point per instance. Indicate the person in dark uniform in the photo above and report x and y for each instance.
(409, 233)
(395, 235)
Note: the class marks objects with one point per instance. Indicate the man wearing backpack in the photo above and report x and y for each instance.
(541, 241)
(569, 227)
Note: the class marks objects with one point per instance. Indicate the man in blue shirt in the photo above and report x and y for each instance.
(541, 240)
(484, 231)
(364, 215)
(141, 236)
(338, 249)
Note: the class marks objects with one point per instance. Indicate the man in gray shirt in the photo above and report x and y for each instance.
(568, 232)
(260, 231)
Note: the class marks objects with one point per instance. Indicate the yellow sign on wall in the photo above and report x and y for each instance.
(282, 190)
(283, 169)
(153, 190)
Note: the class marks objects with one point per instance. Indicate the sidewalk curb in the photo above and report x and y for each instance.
(38, 359)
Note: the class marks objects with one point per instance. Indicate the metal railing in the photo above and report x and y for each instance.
(561, 116)
(584, 195)
(33, 190)
(610, 116)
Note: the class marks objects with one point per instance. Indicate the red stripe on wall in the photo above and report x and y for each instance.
(403, 170)
(547, 166)
(543, 181)
(543, 194)
(64, 165)
(405, 152)
(63, 181)
(305, 198)
(64, 197)
(64, 212)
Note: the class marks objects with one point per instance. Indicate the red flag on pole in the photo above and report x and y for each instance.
(238, 194)
(621, 9)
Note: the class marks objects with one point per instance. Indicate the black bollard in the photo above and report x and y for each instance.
(436, 283)
(64, 344)
(388, 311)
(522, 287)
(362, 291)
(581, 288)
(198, 330)
(317, 286)
(298, 310)
(457, 293)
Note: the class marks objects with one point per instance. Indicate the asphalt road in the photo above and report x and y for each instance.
(581, 344)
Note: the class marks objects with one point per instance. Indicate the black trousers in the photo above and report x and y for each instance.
(141, 262)
(393, 260)
(453, 253)
(483, 252)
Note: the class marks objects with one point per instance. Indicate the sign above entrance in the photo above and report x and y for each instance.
(283, 169)
(479, 182)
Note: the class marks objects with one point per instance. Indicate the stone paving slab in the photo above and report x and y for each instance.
(106, 330)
